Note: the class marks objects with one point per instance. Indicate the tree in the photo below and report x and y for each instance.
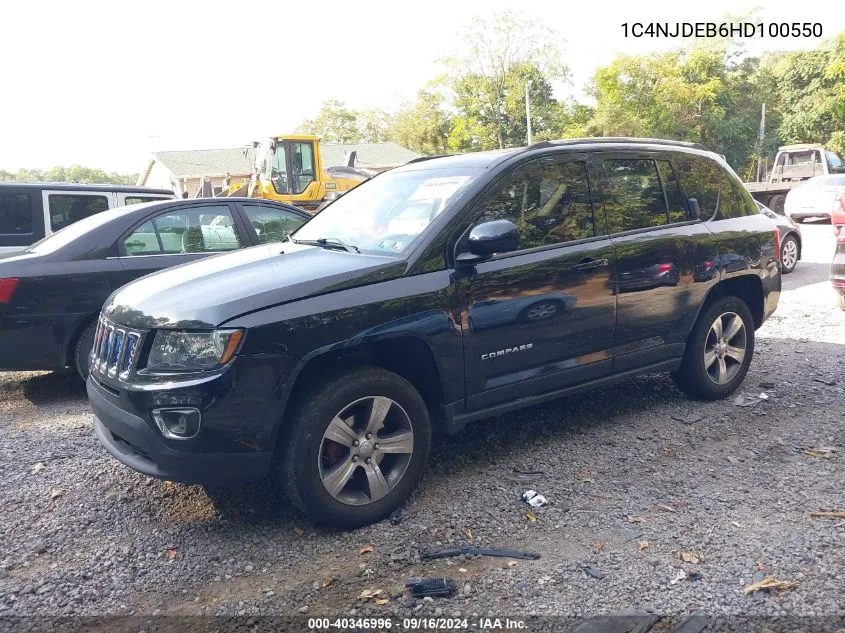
(334, 123)
(74, 173)
(487, 77)
(374, 125)
(423, 125)
(811, 91)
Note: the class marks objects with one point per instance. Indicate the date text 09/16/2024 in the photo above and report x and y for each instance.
(724, 29)
(416, 624)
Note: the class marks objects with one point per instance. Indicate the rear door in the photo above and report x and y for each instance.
(21, 218)
(179, 235)
(269, 222)
(665, 257)
(542, 317)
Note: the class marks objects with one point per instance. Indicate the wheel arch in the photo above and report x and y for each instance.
(747, 287)
(406, 355)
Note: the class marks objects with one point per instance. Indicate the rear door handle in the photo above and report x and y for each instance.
(589, 264)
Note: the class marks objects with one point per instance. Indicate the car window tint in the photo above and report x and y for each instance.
(674, 197)
(635, 198)
(732, 200)
(65, 209)
(15, 214)
(271, 225)
(207, 229)
(142, 241)
(549, 204)
(200, 230)
(700, 179)
(139, 199)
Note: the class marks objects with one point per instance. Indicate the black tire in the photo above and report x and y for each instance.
(82, 350)
(693, 377)
(777, 203)
(789, 239)
(302, 449)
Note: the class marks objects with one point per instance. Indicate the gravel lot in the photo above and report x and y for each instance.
(636, 474)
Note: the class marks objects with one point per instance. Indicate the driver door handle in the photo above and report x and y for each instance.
(589, 264)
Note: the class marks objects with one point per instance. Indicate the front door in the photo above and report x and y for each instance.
(543, 317)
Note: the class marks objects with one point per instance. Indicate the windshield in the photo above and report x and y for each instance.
(65, 236)
(386, 214)
(834, 162)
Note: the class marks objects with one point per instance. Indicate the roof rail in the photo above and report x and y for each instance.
(617, 139)
(420, 159)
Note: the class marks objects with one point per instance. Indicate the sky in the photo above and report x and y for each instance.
(104, 84)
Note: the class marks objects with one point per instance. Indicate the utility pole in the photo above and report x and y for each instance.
(528, 111)
(762, 168)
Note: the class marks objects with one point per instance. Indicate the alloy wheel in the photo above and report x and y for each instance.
(365, 450)
(541, 311)
(789, 254)
(725, 348)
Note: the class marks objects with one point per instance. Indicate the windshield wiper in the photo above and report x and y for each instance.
(329, 242)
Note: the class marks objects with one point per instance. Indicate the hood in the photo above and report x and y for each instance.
(209, 292)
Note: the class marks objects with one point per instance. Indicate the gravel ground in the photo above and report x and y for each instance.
(637, 476)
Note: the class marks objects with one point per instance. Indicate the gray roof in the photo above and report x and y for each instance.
(368, 153)
(218, 162)
(206, 162)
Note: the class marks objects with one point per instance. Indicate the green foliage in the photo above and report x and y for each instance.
(423, 125)
(811, 93)
(487, 76)
(335, 123)
(74, 173)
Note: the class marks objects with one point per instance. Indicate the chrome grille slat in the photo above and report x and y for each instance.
(115, 350)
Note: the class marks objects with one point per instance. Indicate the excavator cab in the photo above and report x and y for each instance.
(290, 169)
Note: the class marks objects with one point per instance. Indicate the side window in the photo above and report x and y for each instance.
(677, 207)
(700, 179)
(735, 201)
(635, 199)
(143, 241)
(207, 229)
(140, 199)
(15, 214)
(65, 209)
(271, 225)
(549, 204)
(302, 165)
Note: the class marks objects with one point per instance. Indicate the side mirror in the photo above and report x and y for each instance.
(496, 236)
(693, 208)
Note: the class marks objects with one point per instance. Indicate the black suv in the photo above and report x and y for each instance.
(438, 293)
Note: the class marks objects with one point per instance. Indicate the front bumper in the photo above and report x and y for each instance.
(240, 422)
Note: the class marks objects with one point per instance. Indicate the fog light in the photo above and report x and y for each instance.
(178, 424)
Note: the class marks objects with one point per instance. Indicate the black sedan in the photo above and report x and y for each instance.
(790, 238)
(51, 293)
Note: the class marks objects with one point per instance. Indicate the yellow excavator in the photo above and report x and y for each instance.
(290, 169)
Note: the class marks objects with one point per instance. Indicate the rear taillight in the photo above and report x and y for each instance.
(777, 243)
(7, 288)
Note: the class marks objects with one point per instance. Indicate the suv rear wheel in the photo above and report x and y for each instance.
(356, 447)
(718, 351)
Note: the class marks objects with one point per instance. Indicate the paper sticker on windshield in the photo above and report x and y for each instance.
(438, 188)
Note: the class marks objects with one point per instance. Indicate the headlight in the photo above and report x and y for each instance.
(192, 351)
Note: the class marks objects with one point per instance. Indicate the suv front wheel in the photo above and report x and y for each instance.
(356, 447)
(718, 351)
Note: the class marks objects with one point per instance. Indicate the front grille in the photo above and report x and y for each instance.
(115, 349)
